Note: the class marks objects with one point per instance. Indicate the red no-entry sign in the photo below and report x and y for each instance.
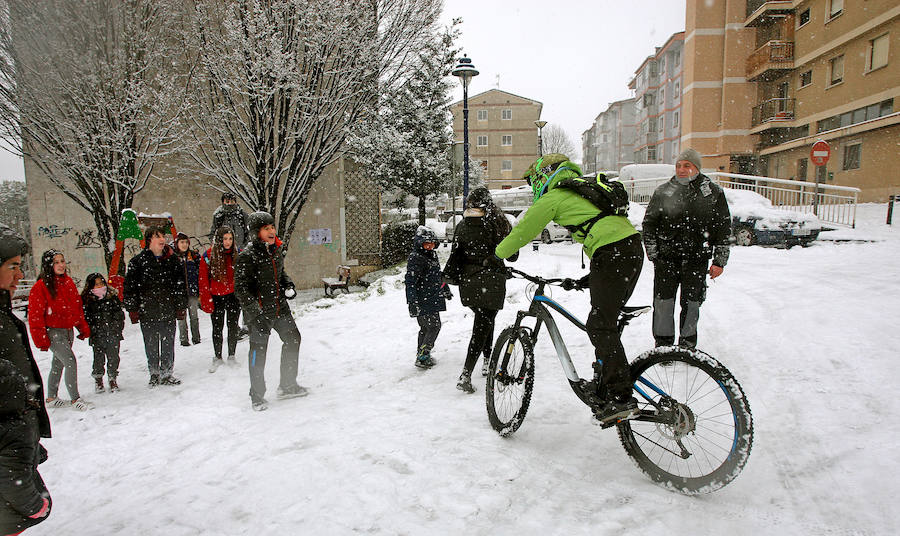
(820, 153)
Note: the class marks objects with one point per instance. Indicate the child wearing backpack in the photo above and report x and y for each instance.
(106, 318)
(426, 293)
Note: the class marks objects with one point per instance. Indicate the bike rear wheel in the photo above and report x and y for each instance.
(695, 429)
(510, 380)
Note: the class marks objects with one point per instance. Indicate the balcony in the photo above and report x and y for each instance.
(770, 60)
(759, 11)
(773, 111)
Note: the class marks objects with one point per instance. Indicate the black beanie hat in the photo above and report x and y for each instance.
(258, 220)
(11, 244)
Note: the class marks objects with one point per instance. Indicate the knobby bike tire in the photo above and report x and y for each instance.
(712, 399)
(508, 393)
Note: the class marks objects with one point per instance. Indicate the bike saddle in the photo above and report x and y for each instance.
(631, 312)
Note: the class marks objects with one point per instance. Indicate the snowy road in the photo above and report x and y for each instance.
(382, 447)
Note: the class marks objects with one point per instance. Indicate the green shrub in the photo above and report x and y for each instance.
(396, 242)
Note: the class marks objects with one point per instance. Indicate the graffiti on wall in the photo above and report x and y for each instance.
(53, 231)
(87, 238)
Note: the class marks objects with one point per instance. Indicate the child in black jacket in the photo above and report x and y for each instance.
(104, 315)
(26, 501)
(425, 293)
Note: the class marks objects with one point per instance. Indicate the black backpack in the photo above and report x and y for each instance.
(608, 196)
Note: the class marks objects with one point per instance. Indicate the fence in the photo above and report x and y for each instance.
(836, 204)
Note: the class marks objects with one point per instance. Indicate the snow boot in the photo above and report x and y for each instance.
(486, 367)
(154, 381)
(113, 386)
(615, 410)
(170, 380)
(465, 382)
(291, 392)
(243, 333)
(424, 360)
(216, 363)
(185, 342)
(98, 385)
(262, 405)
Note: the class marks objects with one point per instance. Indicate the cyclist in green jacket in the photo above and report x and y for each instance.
(614, 247)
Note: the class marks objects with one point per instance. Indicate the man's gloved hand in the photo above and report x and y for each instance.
(493, 261)
(290, 293)
(134, 316)
(181, 314)
(413, 310)
(575, 284)
(715, 271)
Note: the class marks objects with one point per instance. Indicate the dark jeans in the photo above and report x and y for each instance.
(668, 276)
(429, 327)
(482, 340)
(260, 329)
(106, 354)
(222, 305)
(159, 343)
(615, 269)
(191, 313)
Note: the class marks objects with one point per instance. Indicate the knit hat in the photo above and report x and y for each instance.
(11, 244)
(479, 198)
(258, 220)
(691, 156)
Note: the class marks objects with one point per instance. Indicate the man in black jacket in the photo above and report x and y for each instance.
(687, 222)
(230, 214)
(155, 296)
(263, 288)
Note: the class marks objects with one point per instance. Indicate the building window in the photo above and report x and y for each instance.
(651, 125)
(837, 70)
(852, 154)
(677, 56)
(675, 118)
(506, 114)
(482, 141)
(482, 115)
(506, 140)
(836, 7)
(651, 153)
(604, 138)
(878, 52)
(805, 78)
(802, 166)
(804, 17)
(506, 165)
(677, 90)
(866, 113)
(674, 148)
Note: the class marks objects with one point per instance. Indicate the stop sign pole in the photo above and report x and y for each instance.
(819, 155)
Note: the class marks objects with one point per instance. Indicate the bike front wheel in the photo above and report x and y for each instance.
(695, 430)
(510, 380)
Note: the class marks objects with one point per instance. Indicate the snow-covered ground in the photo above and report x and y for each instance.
(382, 447)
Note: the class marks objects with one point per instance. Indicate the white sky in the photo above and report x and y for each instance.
(574, 56)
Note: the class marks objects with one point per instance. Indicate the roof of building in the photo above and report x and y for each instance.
(495, 90)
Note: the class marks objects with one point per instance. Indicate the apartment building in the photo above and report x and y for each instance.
(609, 143)
(657, 87)
(766, 80)
(502, 134)
(828, 69)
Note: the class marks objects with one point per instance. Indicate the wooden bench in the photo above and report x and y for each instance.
(341, 282)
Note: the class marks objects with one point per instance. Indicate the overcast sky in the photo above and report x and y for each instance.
(574, 56)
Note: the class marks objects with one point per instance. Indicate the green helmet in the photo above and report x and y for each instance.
(538, 174)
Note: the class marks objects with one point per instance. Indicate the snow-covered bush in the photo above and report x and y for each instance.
(396, 242)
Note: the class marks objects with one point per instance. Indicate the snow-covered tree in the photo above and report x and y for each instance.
(407, 145)
(280, 85)
(555, 140)
(90, 92)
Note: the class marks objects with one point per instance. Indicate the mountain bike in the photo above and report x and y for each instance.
(693, 430)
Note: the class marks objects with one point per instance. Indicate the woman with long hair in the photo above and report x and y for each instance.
(482, 285)
(54, 309)
(217, 293)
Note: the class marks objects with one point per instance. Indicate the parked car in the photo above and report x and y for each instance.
(755, 221)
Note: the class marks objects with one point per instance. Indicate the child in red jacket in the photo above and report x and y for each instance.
(217, 293)
(54, 308)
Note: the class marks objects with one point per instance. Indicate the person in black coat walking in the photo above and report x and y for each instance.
(687, 222)
(482, 286)
(426, 293)
(26, 501)
(104, 315)
(189, 259)
(263, 288)
(155, 297)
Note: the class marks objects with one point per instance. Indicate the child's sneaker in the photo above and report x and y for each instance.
(113, 386)
(81, 405)
(465, 382)
(154, 380)
(98, 385)
(55, 402)
(424, 361)
(262, 405)
(170, 380)
(291, 392)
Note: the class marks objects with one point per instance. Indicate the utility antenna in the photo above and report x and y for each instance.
(497, 83)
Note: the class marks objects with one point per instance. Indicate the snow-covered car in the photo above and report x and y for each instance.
(755, 221)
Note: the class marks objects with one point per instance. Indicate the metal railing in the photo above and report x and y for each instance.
(773, 110)
(836, 204)
(775, 54)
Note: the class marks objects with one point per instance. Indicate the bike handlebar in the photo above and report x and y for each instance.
(534, 278)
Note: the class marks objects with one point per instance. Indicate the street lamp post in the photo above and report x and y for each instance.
(540, 124)
(465, 71)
